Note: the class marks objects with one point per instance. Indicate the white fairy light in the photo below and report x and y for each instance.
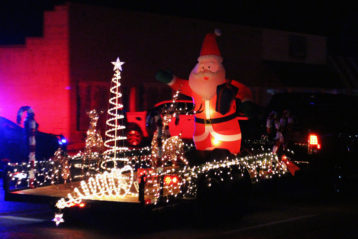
(107, 185)
(115, 115)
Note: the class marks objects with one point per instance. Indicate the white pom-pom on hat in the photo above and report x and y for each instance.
(217, 32)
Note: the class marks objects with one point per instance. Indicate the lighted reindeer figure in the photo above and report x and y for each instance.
(94, 141)
(167, 148)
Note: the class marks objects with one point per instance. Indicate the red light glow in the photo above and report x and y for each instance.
(134, 137)
(174, 179)
(167, 180)
(171, 179)
(313, 141)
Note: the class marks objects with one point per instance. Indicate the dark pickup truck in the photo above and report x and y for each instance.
(321, 130)
(14, 146)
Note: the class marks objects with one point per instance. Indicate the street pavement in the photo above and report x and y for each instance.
(282, 214)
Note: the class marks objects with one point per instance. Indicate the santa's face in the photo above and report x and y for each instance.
(206, 76)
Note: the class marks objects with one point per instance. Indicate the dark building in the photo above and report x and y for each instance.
(67, 71)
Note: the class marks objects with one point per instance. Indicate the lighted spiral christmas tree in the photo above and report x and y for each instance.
(115, 122)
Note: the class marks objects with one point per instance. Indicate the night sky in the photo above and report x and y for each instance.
(338, 20)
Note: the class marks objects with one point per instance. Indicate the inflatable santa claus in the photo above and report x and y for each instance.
(216, 99)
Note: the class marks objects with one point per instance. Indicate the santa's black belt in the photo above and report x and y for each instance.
(216, 120)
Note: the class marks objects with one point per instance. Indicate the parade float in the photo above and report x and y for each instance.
(168, 170)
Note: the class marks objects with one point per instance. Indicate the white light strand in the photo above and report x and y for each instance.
(260, 166)
(108, 185)
(115, 114)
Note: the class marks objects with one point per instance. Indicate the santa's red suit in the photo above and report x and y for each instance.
(213, 129)
(215, 99)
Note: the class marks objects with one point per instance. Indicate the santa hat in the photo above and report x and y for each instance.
(209, 46)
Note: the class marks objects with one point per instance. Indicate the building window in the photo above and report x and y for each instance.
(91, 95)
(298, 46)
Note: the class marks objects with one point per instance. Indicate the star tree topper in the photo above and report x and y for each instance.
(117, 64)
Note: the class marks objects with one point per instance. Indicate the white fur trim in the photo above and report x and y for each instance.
(219, 58)
(204, 135)
(227, 138)
(217, 32)
(172, 81)
(209, 130)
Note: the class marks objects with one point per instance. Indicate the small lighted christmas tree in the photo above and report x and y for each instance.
(115, 122)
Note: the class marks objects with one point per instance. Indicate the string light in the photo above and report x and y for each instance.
(111, 175)
(116, 116)
(105, 186)
(260, 166)
(94, 141)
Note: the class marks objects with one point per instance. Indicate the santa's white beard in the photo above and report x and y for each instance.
(206, 88)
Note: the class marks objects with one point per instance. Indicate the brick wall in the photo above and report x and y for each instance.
(36, 74)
